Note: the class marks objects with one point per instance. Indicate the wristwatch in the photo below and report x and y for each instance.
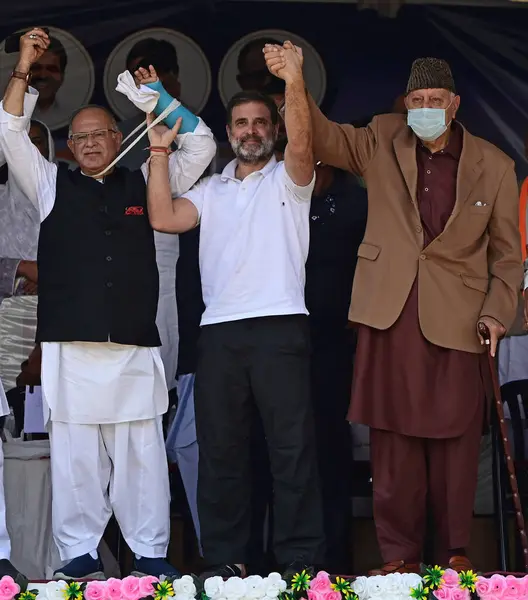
(20, 75)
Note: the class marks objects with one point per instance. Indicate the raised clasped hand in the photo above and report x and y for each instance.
(284, 61)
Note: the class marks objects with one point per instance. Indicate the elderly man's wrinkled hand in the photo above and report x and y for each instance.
(496, 332)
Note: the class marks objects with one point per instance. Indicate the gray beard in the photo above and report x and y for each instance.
(254, 154)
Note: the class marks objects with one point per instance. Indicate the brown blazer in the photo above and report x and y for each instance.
(472, 269)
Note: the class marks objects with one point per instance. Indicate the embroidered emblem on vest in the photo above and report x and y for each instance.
(134, 210)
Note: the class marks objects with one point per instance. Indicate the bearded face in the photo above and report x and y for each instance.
(252, 148)
(251, 133)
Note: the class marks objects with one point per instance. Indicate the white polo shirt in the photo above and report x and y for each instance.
(254, 237)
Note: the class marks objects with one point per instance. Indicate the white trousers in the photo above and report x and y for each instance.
(182, 445)
(5, 543)
(97, 469)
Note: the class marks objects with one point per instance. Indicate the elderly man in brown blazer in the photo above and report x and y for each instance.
(441, 253)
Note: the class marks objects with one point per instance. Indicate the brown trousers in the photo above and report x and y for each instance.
(409, 471)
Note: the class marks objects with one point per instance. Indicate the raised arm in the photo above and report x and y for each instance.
(342, 146)
(195, 142)
(166, 214)
(35, 176)
(298, 157)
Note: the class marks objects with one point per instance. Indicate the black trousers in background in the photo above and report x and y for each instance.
(331, 377)
(267, 361)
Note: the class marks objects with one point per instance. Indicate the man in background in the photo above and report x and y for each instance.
(162, 56)
(252, 72)
(18, 276)
(47, 77)
(338, 216)
(20, 219)
(173, 320)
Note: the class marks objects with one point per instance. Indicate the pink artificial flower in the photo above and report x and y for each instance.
(96, 590)
(321, 588)
(146, 585)
(525, 583)
(483, 587)
(129, 588)
(8, 588)
(113, 588)
(460, 594)
(515, 587)
(443, 593)
(497, 585)
(321, 583)
(450, 579)
(312, 595)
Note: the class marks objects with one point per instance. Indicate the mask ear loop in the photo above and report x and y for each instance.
(172, 106)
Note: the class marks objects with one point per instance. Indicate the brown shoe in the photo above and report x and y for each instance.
(396, 566)
(460, 563)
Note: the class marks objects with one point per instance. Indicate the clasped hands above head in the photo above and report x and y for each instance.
(284, 61)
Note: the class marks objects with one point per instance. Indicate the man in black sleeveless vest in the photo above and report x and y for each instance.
(102, 376)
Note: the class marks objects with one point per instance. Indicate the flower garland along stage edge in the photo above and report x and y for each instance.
(434, 583)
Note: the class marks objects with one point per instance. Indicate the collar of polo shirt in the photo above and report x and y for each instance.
(230, 169)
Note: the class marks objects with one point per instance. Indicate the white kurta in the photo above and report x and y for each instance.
(5, 543)
(104, 400)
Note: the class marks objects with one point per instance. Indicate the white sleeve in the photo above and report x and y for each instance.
(525, 286)
(196, 194)
(299, 193)
(30, 101)
(195, 152)
(35, 176)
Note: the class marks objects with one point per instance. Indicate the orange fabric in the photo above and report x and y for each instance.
(522, 216)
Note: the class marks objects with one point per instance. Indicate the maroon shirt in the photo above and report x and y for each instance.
(402, 382)
(436, 186)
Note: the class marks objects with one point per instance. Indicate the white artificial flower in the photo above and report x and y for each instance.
(393, 583)
(274, 585)
(376, 586)
(359, 586)
(256, 587)
(180, 596)
(214, 588)
(409, 581)
(234, 588)
(186, 586)
(54, 590)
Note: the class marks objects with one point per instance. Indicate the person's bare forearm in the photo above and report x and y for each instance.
(13, 102)
(159, 198)
(297, 120)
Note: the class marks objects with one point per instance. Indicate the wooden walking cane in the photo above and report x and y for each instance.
(484, 332)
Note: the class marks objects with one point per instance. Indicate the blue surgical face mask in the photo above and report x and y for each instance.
(427, 123)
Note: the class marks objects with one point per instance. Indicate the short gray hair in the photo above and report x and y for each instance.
(113, 120)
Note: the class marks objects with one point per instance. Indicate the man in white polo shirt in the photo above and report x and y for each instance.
(254, 345)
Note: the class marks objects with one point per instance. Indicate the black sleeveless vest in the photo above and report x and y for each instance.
(98, 278)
